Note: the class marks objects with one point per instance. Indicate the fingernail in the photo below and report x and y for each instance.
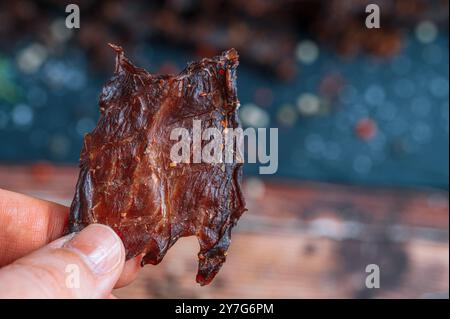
(99, 246)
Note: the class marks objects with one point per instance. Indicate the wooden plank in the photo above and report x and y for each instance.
(291, 266)
(297, 240)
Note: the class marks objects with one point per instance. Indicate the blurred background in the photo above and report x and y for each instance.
(363, 118)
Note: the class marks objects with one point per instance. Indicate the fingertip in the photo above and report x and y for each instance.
(101, 248)
(81, 265)
(130, 272)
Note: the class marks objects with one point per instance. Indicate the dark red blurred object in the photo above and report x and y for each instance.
(366, 129)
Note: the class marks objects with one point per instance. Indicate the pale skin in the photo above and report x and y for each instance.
(34, 254)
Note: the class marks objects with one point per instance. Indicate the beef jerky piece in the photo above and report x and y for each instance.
(127, 179)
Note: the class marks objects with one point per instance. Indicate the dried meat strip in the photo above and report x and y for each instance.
(127, 179)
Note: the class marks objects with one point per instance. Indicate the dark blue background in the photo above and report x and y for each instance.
(44, 115)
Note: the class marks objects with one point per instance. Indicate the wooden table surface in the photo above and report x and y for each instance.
(298, 240)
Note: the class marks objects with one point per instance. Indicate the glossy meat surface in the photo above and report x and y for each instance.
(127, 179)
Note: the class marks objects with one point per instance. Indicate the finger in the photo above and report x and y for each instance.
(85, 265)
(27, 223)
(130, 272)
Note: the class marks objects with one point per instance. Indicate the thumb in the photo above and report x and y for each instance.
(83, 265)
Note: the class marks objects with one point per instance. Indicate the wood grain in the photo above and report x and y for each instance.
(298, 240)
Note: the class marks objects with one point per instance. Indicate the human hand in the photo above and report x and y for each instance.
(36, 262)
